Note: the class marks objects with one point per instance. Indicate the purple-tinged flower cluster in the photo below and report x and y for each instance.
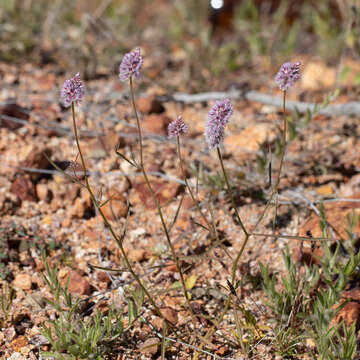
(288, 74)
(218, 117)
(177, 128)
(72, 90)
(130, 65)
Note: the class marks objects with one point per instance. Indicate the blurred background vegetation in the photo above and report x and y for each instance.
(206, 37)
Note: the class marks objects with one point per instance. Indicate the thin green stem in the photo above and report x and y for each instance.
(237, 259)
(277, 181)
(137, 124)
(116, 238)
(235, 264)
(210, 228)
(156, 201)
(230, 192)
(215, 327)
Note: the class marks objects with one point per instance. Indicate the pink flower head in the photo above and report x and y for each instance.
(130, 65)
(177, 128)
(288, 74)
(72, 90)
(219, 115)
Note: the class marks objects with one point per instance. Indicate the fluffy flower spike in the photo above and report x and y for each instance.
(130, 65)
(177, 128)
(219, 115)
(72, 90)
(288, 74)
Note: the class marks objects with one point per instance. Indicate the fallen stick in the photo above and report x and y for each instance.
(349, 108)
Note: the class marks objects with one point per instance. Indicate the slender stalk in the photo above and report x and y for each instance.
(229, 191)
(247, 235)
(277, 181)
(215, 327)
(165, 229)
(210, 227)
(116, 238)
(235, 264)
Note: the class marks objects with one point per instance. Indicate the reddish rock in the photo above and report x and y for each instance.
(102, 276)
(187, 203)
(336, 215)
(164, 192)
(249, 139)
(170, 315)
(137, 254)
(353, 294)
(37, 160)
(23, 188)
(81, 208)
(56, 204)
(13, 111)
(350, 314)
(150, 105)
(19, 343)
(23, 281)
(78, 284)
(149, 347)
(156, 124)
(171, 266)
(115, 208)
(222, 350)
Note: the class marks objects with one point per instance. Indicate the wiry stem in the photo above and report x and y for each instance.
(233, 274)
(277, 181)
(210, 227)
(156, 201)
(247, 235)
(116, 238)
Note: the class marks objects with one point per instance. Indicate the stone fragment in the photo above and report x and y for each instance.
(156, 124)
(249, 139)
(79, 209)
(23, 188)
(150, 105)
(137, 254)
(83, 206)
(170, 315)
(36, 159)
(317, 75)
(337, 216)
(149, 347)
(115, 208)
(11, 113)
(18, 343)
(325, 190)
(23, 281)
(164, 192)
(35, 301)
(43, 192)
(350, 314)
(78, 284)
(102, 276)
(222, 350)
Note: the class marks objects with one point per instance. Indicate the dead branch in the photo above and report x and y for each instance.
(349, 108)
